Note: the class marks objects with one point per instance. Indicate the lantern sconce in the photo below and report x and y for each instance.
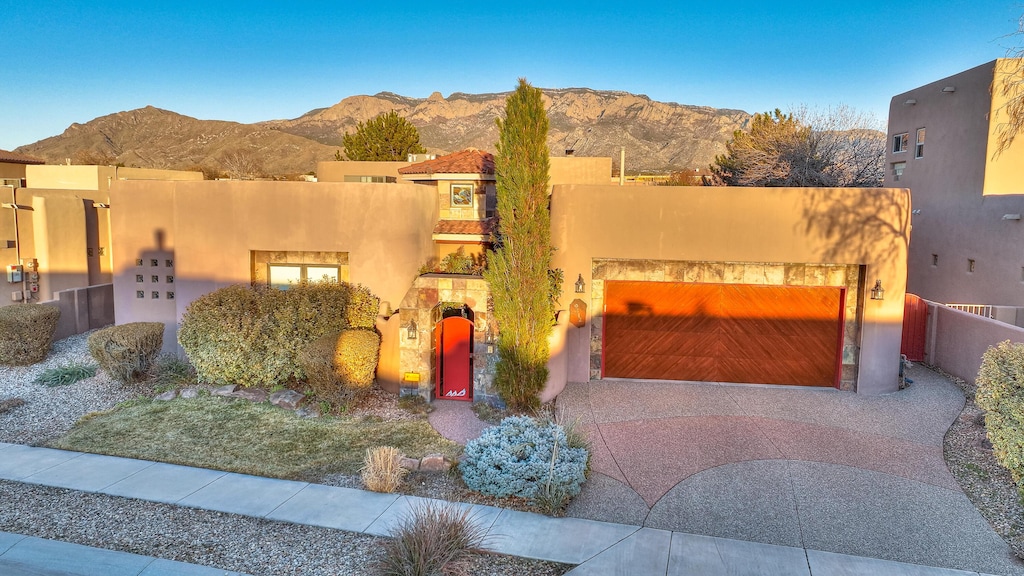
(581, 286)
(878, 293)
(412, 331)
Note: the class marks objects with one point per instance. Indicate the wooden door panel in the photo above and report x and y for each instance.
(722, 332)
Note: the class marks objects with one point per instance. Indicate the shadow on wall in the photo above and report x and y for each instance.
(857, 226)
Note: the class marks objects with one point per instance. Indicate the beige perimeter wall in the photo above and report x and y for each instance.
(201, 233)
(864, 227)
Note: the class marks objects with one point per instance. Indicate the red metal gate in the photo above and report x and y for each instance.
(454, 359)
(915, 320)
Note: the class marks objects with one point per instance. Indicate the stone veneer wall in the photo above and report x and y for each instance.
(769, 274)
(417, 354)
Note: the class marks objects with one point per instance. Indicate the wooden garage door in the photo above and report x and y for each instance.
(723, 332)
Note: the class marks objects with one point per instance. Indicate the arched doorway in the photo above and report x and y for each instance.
(453, 345)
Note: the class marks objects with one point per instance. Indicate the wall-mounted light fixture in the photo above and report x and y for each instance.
(878, 293)
(949, 89)
(910, 102)
(412, 331)
(1011, 216)
(581, 286)
(915, 211)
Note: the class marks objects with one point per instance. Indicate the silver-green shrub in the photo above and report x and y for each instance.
(524, 457)
(1001, 395)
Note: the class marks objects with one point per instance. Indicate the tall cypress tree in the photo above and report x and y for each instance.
(517, 269)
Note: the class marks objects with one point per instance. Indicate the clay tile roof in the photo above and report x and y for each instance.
(15, 158)
(469, 161)
(469, 227)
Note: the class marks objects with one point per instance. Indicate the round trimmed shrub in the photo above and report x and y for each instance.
(254, 336)
(26, 332)
(1001, 395)
(126, 352)
(515, 457)
(338, 366)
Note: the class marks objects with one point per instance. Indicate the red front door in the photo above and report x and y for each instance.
(454, 368)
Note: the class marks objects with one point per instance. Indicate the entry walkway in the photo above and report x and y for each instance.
(598, 548)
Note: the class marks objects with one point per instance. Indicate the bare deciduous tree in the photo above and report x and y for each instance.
(1009, 83)
(836, 147)
(242, 164)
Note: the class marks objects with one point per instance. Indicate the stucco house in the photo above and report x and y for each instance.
(673, 283)
(968, 198)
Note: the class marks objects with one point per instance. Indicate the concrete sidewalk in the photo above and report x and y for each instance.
(598, 548)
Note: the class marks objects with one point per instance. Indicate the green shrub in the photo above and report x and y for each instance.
(255, 335)
(430, 539)
(1001, 394)
(356, 357)
(338, 366)
(65, 375)
(126, 352)
(26, 332)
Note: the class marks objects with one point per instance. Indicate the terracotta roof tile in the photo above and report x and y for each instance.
(468, 227)
(469, 161)
(15, 158)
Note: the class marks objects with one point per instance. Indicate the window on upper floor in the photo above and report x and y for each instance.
(919, 148)
(897, 170)
(462, 195)
(900, 142)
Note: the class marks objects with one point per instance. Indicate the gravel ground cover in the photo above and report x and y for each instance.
(988, 485)
(34, 414)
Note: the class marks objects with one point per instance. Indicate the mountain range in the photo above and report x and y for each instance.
(658, 136)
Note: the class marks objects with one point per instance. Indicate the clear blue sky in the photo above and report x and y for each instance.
(72, 61)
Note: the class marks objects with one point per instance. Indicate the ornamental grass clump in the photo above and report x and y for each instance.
(431, 540)
(381, 471)
(1001, 395)
(65, 375)
(527, 458)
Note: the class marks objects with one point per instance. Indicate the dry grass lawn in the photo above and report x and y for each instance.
(241, 436)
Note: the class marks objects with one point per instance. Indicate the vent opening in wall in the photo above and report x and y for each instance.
(970, 264)
(935, 259)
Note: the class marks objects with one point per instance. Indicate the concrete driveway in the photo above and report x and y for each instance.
(811, 468)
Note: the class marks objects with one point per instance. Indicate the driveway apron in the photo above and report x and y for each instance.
(812, 468)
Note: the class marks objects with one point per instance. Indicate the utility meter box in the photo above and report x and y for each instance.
(15, 273)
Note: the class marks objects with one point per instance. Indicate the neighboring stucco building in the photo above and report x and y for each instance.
(59, 230)
(968, 239)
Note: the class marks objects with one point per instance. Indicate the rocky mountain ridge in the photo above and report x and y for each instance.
(657, 135)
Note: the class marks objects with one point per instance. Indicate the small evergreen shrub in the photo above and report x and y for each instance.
(126, 352)
(26, 332)
(356, 357)
(381, 471)
(524, 457)
(1001, 394)
(170, 372)
(339, 366)
(65, 375)
(253, 336)
(432, 539)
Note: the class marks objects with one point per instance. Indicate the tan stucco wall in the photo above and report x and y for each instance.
(960, 190)
(579, 170)
(209, 228)
(64, 232)
(12, 170)
(865, 227)
(1004, 173)
(956, 340)
(84, 177)
(334, 171)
